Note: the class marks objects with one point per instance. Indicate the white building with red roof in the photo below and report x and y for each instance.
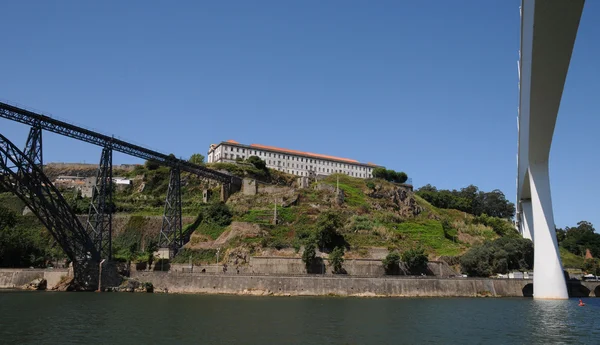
(290, 161)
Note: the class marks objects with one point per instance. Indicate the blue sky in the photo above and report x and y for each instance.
(427, 87)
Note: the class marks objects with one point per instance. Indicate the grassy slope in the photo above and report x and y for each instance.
(366, 223)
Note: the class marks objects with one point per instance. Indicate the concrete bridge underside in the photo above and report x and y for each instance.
(548, 31)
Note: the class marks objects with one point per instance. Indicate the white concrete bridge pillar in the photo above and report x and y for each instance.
(548, 32)
(548, 277)
(527, 219)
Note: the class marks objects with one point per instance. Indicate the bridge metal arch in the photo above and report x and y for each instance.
(26, 180)
(30, 118)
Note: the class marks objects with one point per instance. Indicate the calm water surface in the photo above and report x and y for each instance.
(118, 318)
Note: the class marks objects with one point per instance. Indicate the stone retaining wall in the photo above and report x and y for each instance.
(15, 278)
(327, 285)
(295, 266)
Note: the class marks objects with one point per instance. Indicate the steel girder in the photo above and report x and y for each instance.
(47, 123)
(171, 231)
(99, 222)
(24, 178)
(33, 147)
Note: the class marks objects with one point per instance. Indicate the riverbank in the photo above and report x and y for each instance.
(312, 285)
(16, 278)
(315, 285)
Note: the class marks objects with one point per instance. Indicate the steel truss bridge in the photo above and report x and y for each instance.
(21, 172)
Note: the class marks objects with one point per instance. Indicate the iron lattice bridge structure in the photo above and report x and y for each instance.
(21, 172)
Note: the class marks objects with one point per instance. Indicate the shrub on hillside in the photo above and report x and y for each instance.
(336, 259)
(327, 226)
(391, 263)
(500, 226)
(390, 175)
(257, 162)
(449, 231)
(415, 260)
(218, 214)
(309, 255)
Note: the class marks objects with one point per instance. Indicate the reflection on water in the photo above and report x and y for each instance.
(112, 318)
(564, 321)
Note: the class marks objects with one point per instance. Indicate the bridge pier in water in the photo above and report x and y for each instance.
(99, 222)
(171, 236)
(548, 31)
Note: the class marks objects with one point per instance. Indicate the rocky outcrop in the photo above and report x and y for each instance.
(36, 284)
(132, 285)
(66, 284)
(400, 197)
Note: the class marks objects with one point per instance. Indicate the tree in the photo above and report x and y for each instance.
(390, 175)
(257, 162)
(592, 266)
(8, 218)
(197, 158)
(336, 258)
(580, 238)
(327, 225)
(401, 177)
(380, 173)
(415, 260)
(391, 263)
(499, 256)
(309, 255)
(476, 262)
(469, 199)
(151, 165)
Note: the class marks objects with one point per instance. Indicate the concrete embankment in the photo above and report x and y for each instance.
(16, 278)
(327, 285)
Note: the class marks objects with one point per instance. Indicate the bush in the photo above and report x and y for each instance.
(327, 225)
(476, 262)
(336, 259)
(449, 231)
(500, 226)
(309, 255)
(415, 260)
(390, 175)
(151, 165)
(257, 162)
(500, 256)
(391, 263)
(198, 256)
(217, 214)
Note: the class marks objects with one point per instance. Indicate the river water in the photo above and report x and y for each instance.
(121, 318)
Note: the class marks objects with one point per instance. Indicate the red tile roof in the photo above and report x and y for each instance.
(315, 155)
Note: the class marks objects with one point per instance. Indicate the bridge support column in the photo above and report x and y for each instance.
(527, 219)
(171, 236)
(99, 223)
(548, 277)
(33, 147)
